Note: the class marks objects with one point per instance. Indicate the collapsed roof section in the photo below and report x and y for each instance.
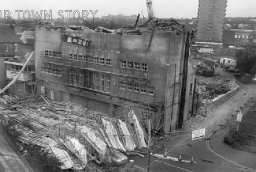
(169, 26)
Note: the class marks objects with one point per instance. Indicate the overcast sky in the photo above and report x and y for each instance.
(162, 8)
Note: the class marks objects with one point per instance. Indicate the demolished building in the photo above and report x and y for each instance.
(145, 68)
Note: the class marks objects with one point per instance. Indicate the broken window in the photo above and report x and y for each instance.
(46, 53)
(123, 64)
(130, 65)
(137, 65)
(74, 40)
(144, 66)
(69, 39)
(80, 41)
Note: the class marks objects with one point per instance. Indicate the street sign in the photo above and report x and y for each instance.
(198, 134)
(239, 116)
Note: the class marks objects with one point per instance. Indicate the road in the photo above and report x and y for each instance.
(207, 160)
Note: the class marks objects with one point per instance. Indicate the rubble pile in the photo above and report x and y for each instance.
(75, 135)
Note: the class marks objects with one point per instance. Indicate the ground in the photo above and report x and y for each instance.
(210, 154)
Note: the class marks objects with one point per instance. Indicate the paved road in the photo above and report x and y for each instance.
(9, 160)
(206, 159)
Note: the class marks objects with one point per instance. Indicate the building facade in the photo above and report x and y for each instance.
(239, 37)
(211, 14)
(113, 73)
(13, 54)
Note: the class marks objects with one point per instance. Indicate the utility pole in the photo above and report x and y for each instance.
(149, 142)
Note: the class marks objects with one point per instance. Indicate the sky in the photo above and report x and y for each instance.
(162, 8)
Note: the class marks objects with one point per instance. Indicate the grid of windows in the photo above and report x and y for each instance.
(78, 41)
(52, 68)
(54, 54)
(134, 65)
(137, 88)
(89, 80)
(88, 58)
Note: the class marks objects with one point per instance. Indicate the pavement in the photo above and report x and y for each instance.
(238, 157)
(210, 154)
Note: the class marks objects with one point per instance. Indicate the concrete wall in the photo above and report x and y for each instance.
(166, 51)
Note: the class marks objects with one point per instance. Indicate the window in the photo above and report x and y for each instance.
(143, 89)
(75, 57)
(8, 67)
(123, 64)
(144, 66)
(122, 84)
(54, 54)
(130, 86)
(80, 57)
(107, 84)
(70, 56)
(59, 55)
(136, 88)
(130, 65)
(96, 60)
(80, 41)
(151, 91)
(102, 83)
(85, 43)
(235, 36)
(16, 47)
(74, 40)
(50, 53)
(108, 61)
(6, 48)
(102, 60)
(96, 81)
(90, 59)
(69, 39)
(137, 65)
(85, 59)
(46, 53)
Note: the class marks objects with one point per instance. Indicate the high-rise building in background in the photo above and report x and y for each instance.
(211, 14)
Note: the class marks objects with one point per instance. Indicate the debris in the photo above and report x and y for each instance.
(138, 130)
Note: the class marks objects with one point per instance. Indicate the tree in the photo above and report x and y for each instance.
(246, 60)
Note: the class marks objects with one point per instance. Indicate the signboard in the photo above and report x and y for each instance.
(239, 116)
(198, 134)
